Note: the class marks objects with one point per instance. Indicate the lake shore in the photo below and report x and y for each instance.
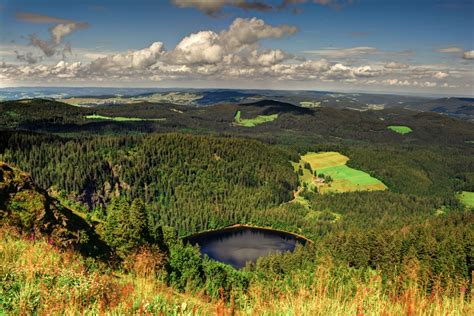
(250, 226)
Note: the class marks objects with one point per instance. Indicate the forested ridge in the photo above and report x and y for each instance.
(294, 124)
(189, 182)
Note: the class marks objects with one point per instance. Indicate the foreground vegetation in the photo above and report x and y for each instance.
(37, 277)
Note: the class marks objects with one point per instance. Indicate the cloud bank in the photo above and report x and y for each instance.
(215, 7)
(234, 54)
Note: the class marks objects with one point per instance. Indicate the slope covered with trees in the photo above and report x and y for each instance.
(30, 209)
(294, 123)
(189, 182)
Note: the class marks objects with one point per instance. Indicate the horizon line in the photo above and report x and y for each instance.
(348, 91)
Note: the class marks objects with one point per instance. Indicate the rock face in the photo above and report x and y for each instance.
(29, 208)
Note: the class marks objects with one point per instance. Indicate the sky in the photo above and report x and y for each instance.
(418, 47)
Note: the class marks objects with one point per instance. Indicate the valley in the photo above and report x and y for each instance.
(137, 178)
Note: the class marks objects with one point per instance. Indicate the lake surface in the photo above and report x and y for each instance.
(238, 245)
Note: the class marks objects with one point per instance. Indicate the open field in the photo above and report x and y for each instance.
(345, 179)
(120, 118)
(254, 121)
(400, 129)
(310, 104)
(467, 198)
(91, 101)
(324, 160)
(183, 98)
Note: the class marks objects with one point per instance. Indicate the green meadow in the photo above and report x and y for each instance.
(467, 198)
(345, 178)
(120, 118)
(400, 129)
(254, 121)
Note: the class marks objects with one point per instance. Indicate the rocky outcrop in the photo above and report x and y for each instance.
(29, 208)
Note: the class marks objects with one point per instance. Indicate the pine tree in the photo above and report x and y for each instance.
(138, 232)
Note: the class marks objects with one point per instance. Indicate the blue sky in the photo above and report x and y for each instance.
(414, 46)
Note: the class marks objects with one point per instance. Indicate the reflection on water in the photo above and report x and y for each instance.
(238, 245)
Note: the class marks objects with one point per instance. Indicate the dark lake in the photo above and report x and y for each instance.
(238, 245)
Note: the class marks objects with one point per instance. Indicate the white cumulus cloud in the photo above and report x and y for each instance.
(468, 54)
(395, 65)
(441, 75)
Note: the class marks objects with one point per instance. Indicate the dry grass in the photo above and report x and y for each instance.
(324, 159)
(370, 299)
(39, 279)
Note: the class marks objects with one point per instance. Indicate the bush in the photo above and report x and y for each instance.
(222, 279)
(147, 261)
(185, 271)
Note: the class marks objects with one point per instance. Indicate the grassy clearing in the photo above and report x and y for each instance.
(467, 198)
(307, 180)
(322, 216)
(400, 129)
(345, 179)
(255, 121)
(39, 279)
(121, 118)
(324, 160)
(12, 114)
(310, 104)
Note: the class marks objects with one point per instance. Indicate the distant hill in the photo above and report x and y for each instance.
(459, 107)
(227, 96)
(462, 108)
(434, 125)
(22, 114)
(274, 107)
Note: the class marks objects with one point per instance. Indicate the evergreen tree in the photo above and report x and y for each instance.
(138, 232)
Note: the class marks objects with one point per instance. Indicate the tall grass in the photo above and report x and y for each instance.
(324, 298)
(38, 278)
